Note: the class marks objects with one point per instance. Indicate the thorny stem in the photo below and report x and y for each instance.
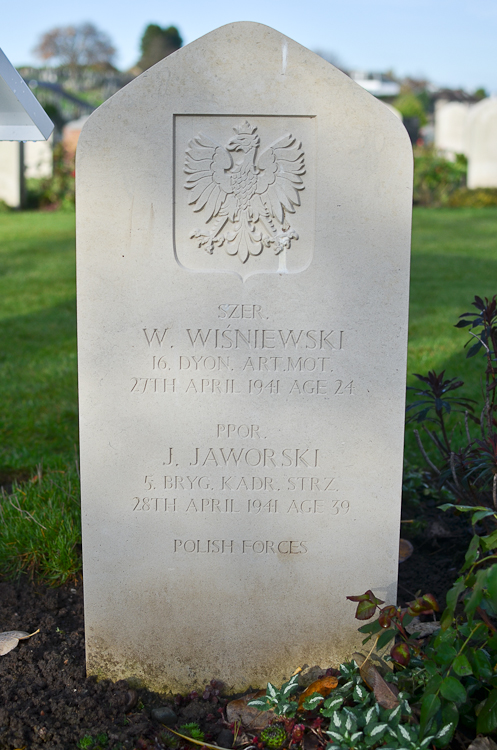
(494, 490)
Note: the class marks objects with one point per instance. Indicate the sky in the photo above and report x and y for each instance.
(450, 42)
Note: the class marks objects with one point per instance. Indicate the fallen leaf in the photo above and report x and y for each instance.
(249, 716)
(384, 693)
(405, 550)
(324, 686)
(483, 743)
(10, 638)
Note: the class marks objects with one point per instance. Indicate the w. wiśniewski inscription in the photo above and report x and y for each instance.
(243, 243)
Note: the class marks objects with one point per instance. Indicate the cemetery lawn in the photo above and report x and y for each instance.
(53, 704)
(38, 396)
(454, 257)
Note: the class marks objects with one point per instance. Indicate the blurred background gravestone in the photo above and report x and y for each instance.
(450, 125)
(481, 144)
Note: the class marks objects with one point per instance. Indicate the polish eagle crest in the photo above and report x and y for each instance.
(244, 199)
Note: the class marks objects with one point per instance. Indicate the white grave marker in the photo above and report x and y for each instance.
(450, 125)
(243, 250)
(481, 138)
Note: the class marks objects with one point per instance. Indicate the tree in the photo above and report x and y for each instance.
(157, 43)
(76, 46)
(410, 106)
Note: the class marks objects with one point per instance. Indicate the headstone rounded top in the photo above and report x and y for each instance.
(207, 74)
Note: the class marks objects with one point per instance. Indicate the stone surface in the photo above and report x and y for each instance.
(450, 125)
(37, 160)
(242, 377)
(10, 173)
(481, 140)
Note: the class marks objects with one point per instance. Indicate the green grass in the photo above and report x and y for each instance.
(454, 257)
(38, 382)
(40, 527)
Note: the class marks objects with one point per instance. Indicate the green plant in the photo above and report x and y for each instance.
(93, 743)
(274, 735)
(58, 190)
(469, 471)
(85, 742)
(450, 677)
(352, 717)
(40, 527)
(436, 178)
(279, 699)
(409, 105)
(192, 730)
(476, 198)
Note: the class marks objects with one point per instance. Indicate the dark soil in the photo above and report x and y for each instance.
(46, 700)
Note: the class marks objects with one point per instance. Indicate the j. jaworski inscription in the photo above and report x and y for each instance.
(247, 199)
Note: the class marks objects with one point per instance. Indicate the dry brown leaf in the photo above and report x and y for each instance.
(250, 717)
(405, 550)
(324, 686)
(385, 694)
(10, 638)
(482, 743)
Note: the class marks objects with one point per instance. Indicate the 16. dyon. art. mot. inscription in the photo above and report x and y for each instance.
(253, 195)
(244, 193)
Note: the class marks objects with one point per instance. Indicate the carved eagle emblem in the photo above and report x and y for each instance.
(245, 199)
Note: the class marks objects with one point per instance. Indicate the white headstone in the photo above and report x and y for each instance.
(19, 161)
(22, 118)
(481, 139)
(450, 124)
(38, 159)
(243, 250)
(10, 173)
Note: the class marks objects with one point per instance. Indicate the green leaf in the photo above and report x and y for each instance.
(385, 638)
(454, 593)
(444, 654)
(474, 600)
(481, 514)
(472, 553)
(370, 627)
(452, 690)
(312, 701)
(429, 707)
(492, 583)
(461, 666)
(446, 619)
(433, 685)
(482, 667)
(487, 718)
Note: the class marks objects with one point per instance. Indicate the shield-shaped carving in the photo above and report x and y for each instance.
(244, 193)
